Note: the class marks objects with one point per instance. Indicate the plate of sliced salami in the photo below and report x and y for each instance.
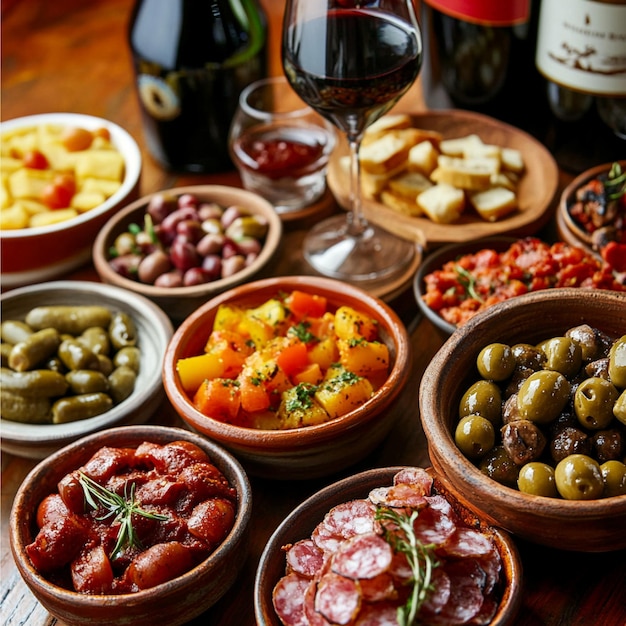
(384, 542)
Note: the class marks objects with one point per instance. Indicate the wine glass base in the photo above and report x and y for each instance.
(375, 255)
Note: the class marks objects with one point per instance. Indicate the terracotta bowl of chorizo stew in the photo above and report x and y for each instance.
(134, 525)
(524, 410)
(296, 375)
(180, 247)
(456, 282)
(383, 544)
(592, 212)
(77, 357)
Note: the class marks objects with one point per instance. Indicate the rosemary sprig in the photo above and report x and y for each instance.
(468, 282)
(122, 508)
(420, 557)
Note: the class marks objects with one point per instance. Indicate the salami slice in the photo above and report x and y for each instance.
(338, 598)
(325, 539)
(355, 517)
(433, 526)
(467, 542)
(438, 597)
(362, 556)
(379, 588)
(314, 617)
(288, 600)
(417, 476)
(378, 614)
(398, 496)
(305, 558)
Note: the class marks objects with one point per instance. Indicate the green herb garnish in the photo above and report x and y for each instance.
(421, 559)
(615, 186)
(302, 332)
(468, 282)
(121, 508)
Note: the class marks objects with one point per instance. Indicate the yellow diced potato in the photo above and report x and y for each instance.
(9, 164)
(52, 217)
(100, 143)
(87, 200)
(27, 183)
(352, 324)
(363, 357)
(58, 157)
(13, 217)
(100, 164)
(228, 317)
(296, 409)
(105, 187)
(32, 207)
(343, 393)
(20, 144)
(5, 196)
(324, 352)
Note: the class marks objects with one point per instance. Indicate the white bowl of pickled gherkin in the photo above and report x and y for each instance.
(77, 357)
(524, 411)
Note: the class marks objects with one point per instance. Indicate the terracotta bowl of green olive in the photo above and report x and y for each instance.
(487, 481)
(301, 522)
(174, 602)
(310, 451)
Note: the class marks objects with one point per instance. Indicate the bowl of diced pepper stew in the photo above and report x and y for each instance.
(132, 525)
(63, 176)
(296, 376)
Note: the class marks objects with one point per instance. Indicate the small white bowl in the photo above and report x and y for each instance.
(154, 331)
(30, 255)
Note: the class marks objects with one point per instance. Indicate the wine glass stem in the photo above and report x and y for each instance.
(356, 220)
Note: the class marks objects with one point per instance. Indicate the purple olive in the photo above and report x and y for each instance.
(184, 255)
(230, 215)
(210, 211)
(190, 229)
(152, 266)
(232, 265)
(212, 243)
(187, 200)
(248, 245)
(160, 206)
(229, 249)
(212, 265)
(195, 276)
(172, 220)
(170, 279)
(126, 265)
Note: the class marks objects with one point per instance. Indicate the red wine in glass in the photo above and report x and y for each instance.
(351, 62)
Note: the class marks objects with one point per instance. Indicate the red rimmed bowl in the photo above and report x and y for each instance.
(174, 602)
(311, 451)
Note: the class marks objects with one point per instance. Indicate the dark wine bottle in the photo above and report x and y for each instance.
(479, 56)
(581, 52)
(192, 59)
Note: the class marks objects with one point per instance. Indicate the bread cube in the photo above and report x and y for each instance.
(423, 158)
(442, 203)
(493, 204)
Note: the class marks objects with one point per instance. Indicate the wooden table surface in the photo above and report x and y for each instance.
(72, 55)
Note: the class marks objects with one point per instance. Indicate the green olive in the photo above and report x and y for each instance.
(563, 355)
(578, 477)
(496, 362)
(617, 363)
(537, 479)
(129, 356)
(614, 476)
(482, 398)
(619, 408)
(96, 339)
(593, 403)
(542, 396)
(499, 466)
(474, 435)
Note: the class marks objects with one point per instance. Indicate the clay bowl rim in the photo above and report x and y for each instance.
(435, 260)
(357, 486)
(439, 435)
(122, 435)
(154, 322)
(292, 439)
(120, 138)
(221, 194)
(567, 196)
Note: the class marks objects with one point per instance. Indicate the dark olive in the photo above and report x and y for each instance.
(499, 466)
(495, 362)
(568, 441)
(593, 403)
(578, 477)
(537, 479)
(523, 440)
(474, 435)
(588, 340)
(528, 356)
(482, 398)
(608, 445)
(542, 396)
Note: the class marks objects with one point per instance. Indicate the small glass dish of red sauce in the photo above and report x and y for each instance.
(280, 146)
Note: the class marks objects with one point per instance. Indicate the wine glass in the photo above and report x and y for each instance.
(351, 61)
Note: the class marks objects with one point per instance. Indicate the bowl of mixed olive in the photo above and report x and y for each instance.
(77, 357)
(180, 247)
(528, 421)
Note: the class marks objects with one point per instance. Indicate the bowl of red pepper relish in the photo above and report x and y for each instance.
(592, 212)
(180, 484)
(458, 281)
(357, 411)
(331, 556)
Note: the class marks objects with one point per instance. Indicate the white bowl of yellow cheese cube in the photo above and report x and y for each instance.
(62, 176)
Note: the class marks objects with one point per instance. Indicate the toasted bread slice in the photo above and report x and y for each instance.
(385, 124)
(400, 203)
(442, 203)
(409, 185)
(389, 151)
(494, 203)
(457, 146)
(512, 160)
(423, 158)
(472, 174)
